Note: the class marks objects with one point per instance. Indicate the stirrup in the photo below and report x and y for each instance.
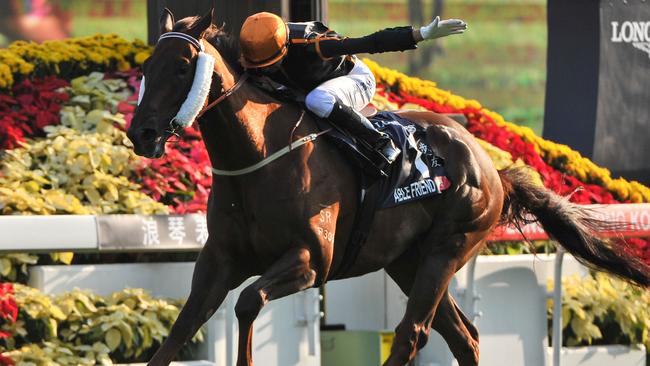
(387, 149)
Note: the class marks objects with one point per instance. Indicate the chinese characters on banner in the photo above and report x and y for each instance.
(160, 232)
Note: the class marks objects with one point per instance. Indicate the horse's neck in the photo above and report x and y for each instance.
(245, 128)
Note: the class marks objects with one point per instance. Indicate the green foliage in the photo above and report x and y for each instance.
(519, 247)
(128, 326)
(73, 173)
(55, 352)
(600, 309)
(90, 93)
(14, 266)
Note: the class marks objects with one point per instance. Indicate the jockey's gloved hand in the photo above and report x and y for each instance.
(442, 28)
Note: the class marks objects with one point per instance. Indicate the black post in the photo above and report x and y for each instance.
(233, 13)
(572, 73)
(180, 9)
(307, 10)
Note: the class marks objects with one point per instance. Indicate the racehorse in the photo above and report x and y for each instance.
(290, 221)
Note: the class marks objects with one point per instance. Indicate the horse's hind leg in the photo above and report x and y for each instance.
(433, 274)
(288, 275)
(458, 331)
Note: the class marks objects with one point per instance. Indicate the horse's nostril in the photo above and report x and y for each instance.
(148, 134)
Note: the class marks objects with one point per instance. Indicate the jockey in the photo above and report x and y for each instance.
(311, 58)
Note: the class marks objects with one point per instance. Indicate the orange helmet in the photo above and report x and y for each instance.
(263, 39)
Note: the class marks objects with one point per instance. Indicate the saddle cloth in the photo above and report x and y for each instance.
(416, 174)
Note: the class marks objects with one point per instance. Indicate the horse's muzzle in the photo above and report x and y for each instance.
(147, 142)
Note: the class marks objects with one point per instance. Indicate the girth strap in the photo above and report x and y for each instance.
(362, 223)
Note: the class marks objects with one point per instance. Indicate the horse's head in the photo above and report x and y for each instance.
(172, 96)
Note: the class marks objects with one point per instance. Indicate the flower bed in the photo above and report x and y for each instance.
(63, 150)
(69, 58)
(84, 329)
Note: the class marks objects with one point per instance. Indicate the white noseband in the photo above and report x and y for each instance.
(200, 86)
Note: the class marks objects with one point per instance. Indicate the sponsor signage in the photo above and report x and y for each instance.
(633, 221)
(622, 136)
(634, 33)
(157, 232)
(598, 82)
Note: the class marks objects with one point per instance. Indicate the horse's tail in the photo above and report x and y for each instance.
(572, 225)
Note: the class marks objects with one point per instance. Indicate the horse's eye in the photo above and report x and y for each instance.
(183, 69)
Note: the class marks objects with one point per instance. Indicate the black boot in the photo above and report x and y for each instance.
(348, 119)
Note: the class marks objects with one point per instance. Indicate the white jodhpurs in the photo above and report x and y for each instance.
(355, 89)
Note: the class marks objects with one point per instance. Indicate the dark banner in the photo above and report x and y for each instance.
(143, 233)
(622, 138)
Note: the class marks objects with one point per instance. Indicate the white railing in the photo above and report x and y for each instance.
(637, 220)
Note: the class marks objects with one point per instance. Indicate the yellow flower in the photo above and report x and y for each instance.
(55, 57)
(141, 57)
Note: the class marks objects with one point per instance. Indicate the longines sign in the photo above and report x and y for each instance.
(635, 33)
(622, 136)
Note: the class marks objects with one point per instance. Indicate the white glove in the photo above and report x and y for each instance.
(442, 28)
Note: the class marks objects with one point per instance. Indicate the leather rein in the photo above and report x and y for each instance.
(225, 94)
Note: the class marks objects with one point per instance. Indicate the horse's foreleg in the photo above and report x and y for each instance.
(288, 275)
(429, 286)
(210, 285)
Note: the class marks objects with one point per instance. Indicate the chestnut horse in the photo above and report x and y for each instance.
(290, 221)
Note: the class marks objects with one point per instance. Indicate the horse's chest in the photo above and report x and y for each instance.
(270, 229)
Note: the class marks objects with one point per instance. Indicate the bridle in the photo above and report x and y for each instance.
(174, 127)
(224, 93)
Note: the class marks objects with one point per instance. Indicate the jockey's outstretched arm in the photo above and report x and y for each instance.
(338, 99)
(391, 39)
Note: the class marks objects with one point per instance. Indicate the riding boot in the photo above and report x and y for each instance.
(348, 119)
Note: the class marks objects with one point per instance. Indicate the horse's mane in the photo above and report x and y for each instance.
(227, 44)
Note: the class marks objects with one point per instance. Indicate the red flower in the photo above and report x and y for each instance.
(6, 361)
(31, 106)
(8, 306)
(182, 178)
(8, 314)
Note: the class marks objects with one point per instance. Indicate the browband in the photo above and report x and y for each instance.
(195, 42)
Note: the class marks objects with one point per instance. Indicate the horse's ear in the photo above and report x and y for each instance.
(199, 27)
(166, 21)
